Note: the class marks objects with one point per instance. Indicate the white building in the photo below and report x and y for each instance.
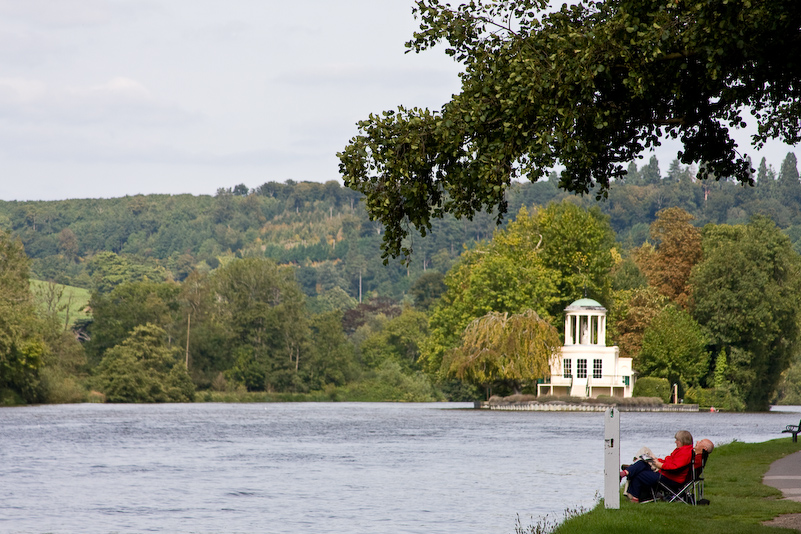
(586, 367)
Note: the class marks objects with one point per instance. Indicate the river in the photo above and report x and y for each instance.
(329, 467)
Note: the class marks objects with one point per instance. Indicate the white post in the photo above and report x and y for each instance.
(612, 458)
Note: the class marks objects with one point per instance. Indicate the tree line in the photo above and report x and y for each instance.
(244, 320)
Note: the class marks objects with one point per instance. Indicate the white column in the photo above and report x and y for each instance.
(602, 337)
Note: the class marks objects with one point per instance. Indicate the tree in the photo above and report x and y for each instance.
(108, 270)
(631, 316)
(503, 348)
(143, 368)
(678, 249)
(651, 175)
(506, 275)
(788, 183)
(577, 243)
(127, 306)
(399, 341)
(331, 358)
(22, 348)
(674, 347)
(427, 289)
(590, 86)
(746, 292)
(262, 307)
(542, 261)
(68, 244)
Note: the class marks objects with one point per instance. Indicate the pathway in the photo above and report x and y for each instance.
(785, 475)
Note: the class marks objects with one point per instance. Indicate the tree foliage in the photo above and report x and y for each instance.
(674, 347)
(262, 307)
(678, 249)
(542, 261)
(143, 368)
(506, 348)
(590, 87)
(746, 292)
(22, 348)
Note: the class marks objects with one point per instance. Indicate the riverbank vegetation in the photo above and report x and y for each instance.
(739, 502)
(280, 293)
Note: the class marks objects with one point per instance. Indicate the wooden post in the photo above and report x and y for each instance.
(188, 322)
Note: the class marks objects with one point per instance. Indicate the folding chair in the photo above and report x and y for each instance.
(691, 490)
(698, 484)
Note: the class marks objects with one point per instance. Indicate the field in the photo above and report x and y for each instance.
(68, 302)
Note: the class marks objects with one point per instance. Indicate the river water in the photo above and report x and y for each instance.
(307, 467)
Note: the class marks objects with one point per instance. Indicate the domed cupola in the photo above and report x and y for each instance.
(585, 323)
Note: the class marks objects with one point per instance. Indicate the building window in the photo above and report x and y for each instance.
(568, 369)
(597, 368)
(625, 380)
(581, 368)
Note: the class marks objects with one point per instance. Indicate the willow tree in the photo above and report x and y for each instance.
(590, 87)
(510, 349)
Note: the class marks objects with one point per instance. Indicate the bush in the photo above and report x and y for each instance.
(721, 398)
(650, 386)
(60, 388)
(388, 383)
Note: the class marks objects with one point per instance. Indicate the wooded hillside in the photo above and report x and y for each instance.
(282, 289)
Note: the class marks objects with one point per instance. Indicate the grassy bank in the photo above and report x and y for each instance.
(739, 500)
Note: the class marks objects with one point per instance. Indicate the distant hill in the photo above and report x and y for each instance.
(323, 229)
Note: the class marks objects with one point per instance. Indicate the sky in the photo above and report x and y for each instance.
(107, 98)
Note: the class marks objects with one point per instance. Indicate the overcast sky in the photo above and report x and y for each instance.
(106, 98)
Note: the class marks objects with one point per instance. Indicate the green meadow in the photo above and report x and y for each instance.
(739, 502)
(69, 303)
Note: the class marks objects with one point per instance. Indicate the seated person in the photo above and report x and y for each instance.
(700, 447)
(672, 467)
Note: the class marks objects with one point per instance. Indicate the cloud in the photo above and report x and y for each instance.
(355, 74)
(120, 100)
(25, 47)
(57, 13)
(116, 88)
(20, 90)
(361, 75)
(221, 32)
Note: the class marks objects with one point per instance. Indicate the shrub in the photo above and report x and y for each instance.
(650, 386)
(721, 398)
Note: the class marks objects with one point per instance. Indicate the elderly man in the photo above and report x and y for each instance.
(700, 447)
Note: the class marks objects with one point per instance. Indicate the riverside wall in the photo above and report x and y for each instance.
(570, 407)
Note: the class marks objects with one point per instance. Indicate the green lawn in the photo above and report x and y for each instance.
(71, 304)
(739, 500)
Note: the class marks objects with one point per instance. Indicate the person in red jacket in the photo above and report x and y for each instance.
(643, 474)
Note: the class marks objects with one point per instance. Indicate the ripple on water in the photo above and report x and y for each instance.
(338, 467)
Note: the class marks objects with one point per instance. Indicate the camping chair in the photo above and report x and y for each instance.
(691, 490)
(698, 486)
(671, 491)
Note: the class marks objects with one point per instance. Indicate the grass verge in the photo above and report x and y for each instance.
(739, 500)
